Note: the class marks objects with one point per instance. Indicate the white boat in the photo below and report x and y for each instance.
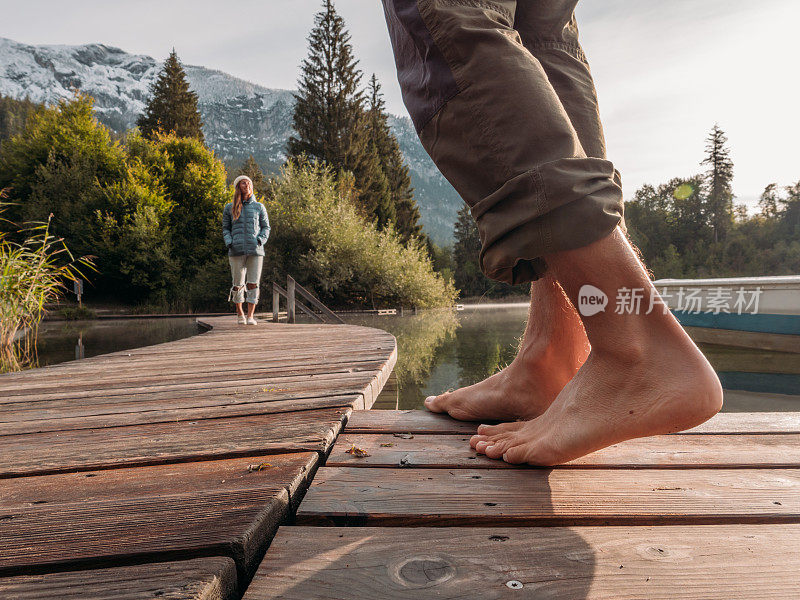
(752, 312)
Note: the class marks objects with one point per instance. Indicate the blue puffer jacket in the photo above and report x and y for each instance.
(248, 233)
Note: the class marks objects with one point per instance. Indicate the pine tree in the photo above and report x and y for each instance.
(469, 278)
(768, 202)
(329, 117)
(718, 178)
(406, 212)
(14, 115)
(173, 106)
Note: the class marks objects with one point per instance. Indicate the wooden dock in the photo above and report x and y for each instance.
(164, 472)
(709, 513)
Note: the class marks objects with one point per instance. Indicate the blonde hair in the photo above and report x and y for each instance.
(236, 209)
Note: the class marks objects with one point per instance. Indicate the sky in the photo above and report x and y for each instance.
(666, 71)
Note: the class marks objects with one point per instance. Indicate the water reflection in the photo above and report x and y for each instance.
(422, 340)
(444, 350)
(61, 341)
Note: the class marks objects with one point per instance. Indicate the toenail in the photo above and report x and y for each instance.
(430, 399)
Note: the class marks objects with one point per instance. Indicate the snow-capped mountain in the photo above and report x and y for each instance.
(239, 118)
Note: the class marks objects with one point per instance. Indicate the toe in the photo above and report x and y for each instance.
(497, 448)
(480, 446)
(432, 405)
(473, 441)
(500, 428)
(515, 455)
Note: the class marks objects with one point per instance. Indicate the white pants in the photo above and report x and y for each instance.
(245, 269)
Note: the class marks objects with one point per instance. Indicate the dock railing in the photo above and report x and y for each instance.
(293, 289)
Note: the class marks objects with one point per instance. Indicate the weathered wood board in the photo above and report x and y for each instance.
(497, 497)
(89, 449)
(398, 450)
(228, 507)
(592, 563)
(163, 472)
(422, 421)
(212, 578)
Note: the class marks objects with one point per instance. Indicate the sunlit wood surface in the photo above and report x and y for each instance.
(709, 513)
(164, 471)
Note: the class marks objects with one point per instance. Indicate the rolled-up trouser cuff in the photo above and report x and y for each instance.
(560, 205)
(237, 295)
(252, 295)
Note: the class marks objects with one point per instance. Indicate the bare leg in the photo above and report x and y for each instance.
(553, 348)
(251, 310)
(251, 307)
(644, 375)
(239, 310)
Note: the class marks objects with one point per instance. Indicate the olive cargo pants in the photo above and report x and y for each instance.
(502, 98)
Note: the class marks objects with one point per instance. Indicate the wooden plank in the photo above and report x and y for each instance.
(422, 421)
(94, 534)
(212, 578)
(406, 421)
(282, 471)
(348, 382)
(228, 345)
(193, 363)
(89, 449)
(263, 392)
(104, 517)
(93, 417)
(493, 497)
(58, 415)
(666, 451)
(202, 373)
(721, 562)
(762, 422)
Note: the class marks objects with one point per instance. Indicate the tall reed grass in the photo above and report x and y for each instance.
(33, 272)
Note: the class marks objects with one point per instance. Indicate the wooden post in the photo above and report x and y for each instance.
(290, 299)
(79, 350)
(78, 287)
(276, 303)
(316, 303)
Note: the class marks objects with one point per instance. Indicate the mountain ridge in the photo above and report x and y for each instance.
(240, 118)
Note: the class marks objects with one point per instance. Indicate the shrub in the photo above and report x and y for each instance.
(319, 237)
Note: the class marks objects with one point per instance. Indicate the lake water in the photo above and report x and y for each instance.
(60, 341)
(439, 350)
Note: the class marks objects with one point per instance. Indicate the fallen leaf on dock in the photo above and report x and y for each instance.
(259, 467)
(356, 451)
(389, 445)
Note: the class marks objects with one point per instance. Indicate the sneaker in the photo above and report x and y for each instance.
(241, 320)
(252, 321)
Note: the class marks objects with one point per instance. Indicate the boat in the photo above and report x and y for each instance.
(748, 312)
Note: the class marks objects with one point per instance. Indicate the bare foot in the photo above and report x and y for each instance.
(657, 388)
(553, 349)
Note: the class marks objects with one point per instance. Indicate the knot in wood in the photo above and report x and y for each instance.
(422, 571)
